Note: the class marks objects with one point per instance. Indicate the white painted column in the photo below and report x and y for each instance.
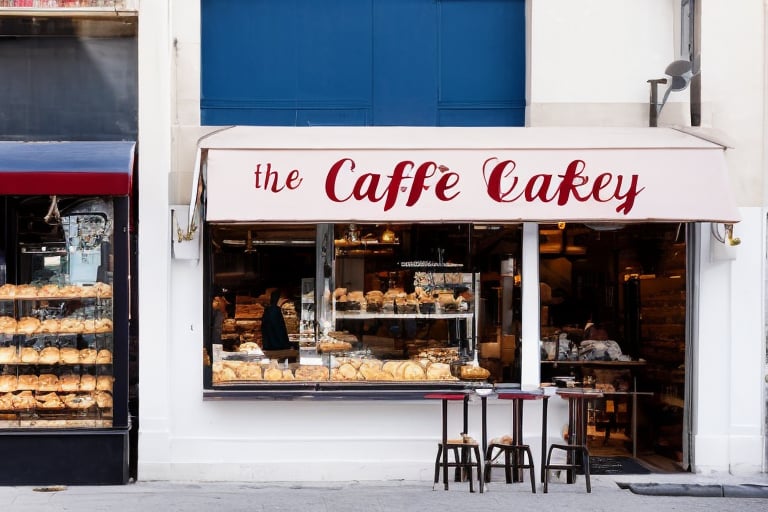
(530, 363)
(154, 229)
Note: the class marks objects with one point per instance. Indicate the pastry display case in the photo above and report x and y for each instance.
(64, 314)
(56, 352)
(384, 318)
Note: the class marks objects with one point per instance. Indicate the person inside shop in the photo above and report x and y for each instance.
(273, 330)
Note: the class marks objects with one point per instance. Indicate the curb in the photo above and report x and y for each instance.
(698, 490)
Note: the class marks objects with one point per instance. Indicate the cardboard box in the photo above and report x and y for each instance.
(490, 350)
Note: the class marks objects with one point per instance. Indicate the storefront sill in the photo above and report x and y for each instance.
(320, 391)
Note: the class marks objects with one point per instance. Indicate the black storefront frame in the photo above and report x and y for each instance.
(84, 456)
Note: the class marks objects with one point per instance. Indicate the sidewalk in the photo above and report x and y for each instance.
(400, 496)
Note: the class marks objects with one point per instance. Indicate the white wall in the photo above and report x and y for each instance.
(589, 61)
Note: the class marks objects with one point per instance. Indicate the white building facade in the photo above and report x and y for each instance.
(588, 65)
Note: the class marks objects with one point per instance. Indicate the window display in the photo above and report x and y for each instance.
(56, 331)
(388, 303)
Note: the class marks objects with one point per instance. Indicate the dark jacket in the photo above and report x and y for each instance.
(273, 331)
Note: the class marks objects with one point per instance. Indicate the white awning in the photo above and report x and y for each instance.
(426, 174)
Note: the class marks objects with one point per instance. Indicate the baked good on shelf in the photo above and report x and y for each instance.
(74, 401)
(345, 371)
(220, 373)
(69, 355)
(273, 373)
(69, 382)
(49, 325)
(104, 382)
(8, 355)
(469, 372)
(6, 402)
(7, 325)
(103, 356)
(7, 291)
(47, 382)
(29, 355)
(89, 326)
(69, 290)
(49, 355)
(26, 290)
(49, 290)
(88, 355)
(439, 371)
(103, 290)
(103, 399)
(249, 371)
(49, 401)
(103, 325)
(27, 382)
(24, 401)
(27, 325)
(410, 370)
(71, 325)
(87, 382)
(8, 383)
(333, 346)
(311, 372)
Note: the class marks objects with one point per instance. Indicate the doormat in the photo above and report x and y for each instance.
(615, 466)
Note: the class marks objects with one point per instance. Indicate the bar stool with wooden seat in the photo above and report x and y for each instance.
(577, 454)
(512, 447)
(465, 451)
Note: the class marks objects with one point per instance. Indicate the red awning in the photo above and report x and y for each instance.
(66, 168)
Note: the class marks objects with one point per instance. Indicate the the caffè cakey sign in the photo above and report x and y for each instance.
(615, 185)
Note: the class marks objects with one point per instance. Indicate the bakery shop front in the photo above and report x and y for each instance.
(64, 312)
(405, 260)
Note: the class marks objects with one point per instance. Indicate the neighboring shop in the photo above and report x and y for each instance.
(64, 311)
(67, 242)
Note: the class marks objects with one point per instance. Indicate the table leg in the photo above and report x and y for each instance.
(544, 437)
(445, 444)
(484, 428)
(518, 438)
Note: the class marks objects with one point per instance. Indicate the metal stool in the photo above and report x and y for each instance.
(576, 453)
(466, 452)
(514, 460)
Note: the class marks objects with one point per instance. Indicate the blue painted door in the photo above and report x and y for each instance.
(363, 62)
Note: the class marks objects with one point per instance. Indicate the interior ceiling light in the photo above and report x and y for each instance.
(388, 236)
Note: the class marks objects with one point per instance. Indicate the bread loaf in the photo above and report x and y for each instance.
(29, 355)
(27, 382)
(87, 383)
(104, 356)
(8, 383)
(49, 355)
(48, 382)
(27, 325)
(69, 355)
(8, 355)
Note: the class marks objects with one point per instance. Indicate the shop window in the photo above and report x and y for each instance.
(351, 63)
(372, 305)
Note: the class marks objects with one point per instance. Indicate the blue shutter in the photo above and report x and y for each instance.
(357, 62)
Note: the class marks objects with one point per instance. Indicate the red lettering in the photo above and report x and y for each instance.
(494, 183)
(574, 184)
(375, 187)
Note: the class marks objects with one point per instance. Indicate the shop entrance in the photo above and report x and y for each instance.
(613, 315)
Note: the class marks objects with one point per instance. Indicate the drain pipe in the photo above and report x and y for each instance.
(695, 45)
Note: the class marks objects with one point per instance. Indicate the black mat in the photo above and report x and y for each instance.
(616, 466)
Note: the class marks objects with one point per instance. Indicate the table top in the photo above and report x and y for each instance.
(579, 393)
